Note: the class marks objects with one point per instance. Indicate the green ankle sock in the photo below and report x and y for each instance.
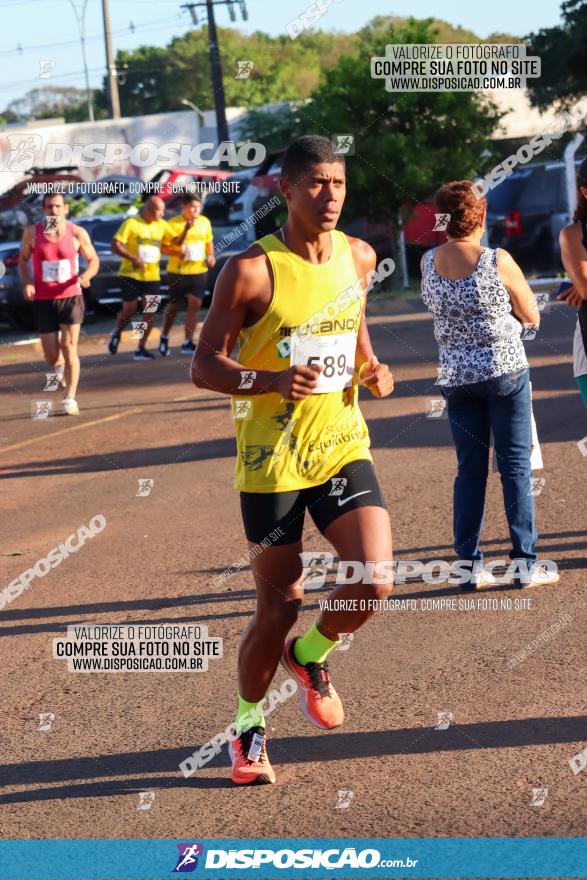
(250, 713)
(313, 647)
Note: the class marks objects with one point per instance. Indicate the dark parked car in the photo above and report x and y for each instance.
(105, 287)
(525, 214)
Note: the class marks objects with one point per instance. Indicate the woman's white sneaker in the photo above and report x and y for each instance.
(70, 407)
(537, 576)
(478, 580)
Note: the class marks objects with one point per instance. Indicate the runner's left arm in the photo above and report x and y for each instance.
(87, 250)
(373, 375)
(574, 260)
(210, 255)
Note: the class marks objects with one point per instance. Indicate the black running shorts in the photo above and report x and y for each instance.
(50, 314)
(131, 289)
(355, 485)
(193, 285)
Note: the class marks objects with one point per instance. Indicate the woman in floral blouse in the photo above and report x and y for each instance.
(482, 307)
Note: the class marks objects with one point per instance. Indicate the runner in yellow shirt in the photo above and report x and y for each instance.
(191, 250)
(138, 241)
(295, 303)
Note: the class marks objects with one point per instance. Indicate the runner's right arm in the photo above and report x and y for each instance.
(243, 284)
(524, 306)
(23, 258)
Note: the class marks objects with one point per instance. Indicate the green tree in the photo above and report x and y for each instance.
(50, 101)
(406, 143)
(561, 49)
(154, 80)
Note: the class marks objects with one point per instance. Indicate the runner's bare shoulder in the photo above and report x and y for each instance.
(364, 256)
(245, 277)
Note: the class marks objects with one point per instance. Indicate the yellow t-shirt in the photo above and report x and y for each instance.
(313, 317)
(144, 240)
(193, 261)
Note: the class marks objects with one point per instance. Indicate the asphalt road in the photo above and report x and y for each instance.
(514, 727)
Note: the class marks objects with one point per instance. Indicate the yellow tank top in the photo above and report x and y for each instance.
(314, 314)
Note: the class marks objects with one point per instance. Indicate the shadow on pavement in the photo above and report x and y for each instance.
(513, 733)
(199, 450)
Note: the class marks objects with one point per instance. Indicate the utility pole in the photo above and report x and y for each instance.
(215, 63)
(113, 99)
(216, 73)
(80, 18)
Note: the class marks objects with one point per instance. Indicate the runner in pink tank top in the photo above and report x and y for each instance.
(56, 289)
(55, 263)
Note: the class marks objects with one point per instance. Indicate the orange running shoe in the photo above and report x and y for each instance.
(248, 755)
(320, 703)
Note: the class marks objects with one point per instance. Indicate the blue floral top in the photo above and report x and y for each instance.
(478, 336)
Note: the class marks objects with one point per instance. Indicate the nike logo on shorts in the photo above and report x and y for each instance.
(342, 501)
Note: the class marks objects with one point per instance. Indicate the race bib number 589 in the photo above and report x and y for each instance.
(335, 354)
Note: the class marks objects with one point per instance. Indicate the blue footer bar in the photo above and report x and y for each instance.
(538, 857)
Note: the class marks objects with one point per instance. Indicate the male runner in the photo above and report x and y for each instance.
(191, 252)
(294, 302)
(56, 288)
(138, 242)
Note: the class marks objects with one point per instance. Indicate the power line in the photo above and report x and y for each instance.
(151, 24)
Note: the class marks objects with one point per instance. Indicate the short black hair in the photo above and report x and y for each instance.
(190, 196)
(310, 149)
(51, 195)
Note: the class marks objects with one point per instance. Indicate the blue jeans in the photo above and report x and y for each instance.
(503, 406)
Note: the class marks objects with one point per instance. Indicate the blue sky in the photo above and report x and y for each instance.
(46, 30)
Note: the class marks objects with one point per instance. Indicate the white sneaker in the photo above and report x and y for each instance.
(478, 580)
(538, 576)
(70, 407)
